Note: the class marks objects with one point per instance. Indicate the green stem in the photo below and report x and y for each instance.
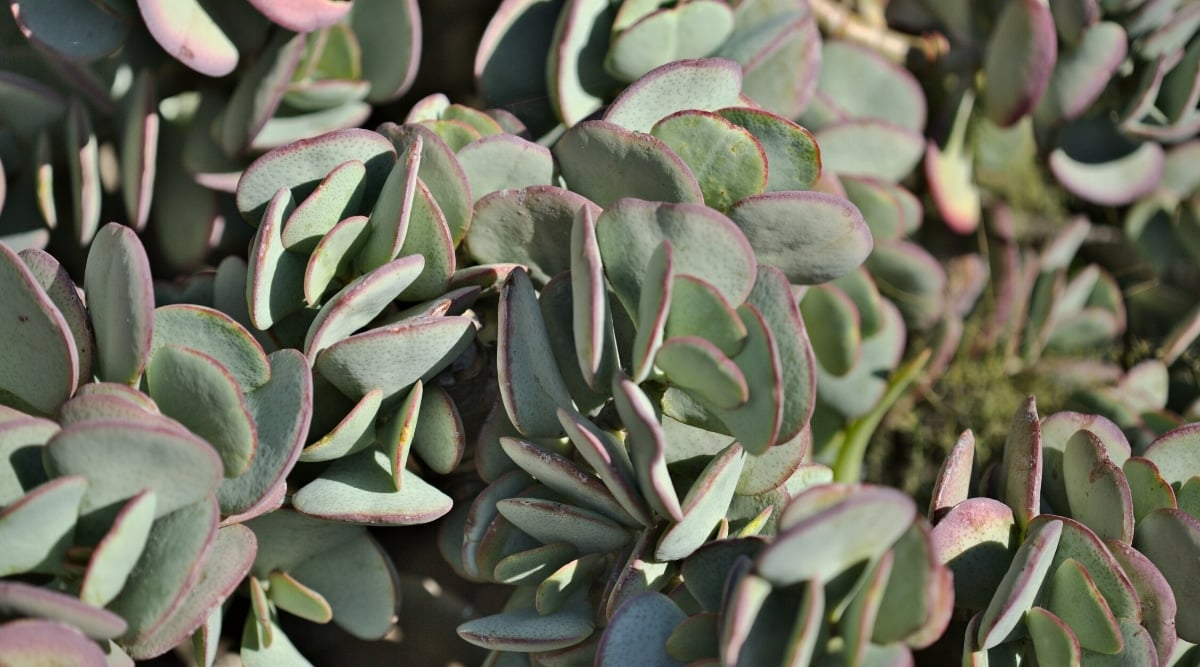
(848, 467)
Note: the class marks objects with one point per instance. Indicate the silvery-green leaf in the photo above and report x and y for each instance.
(531, 227)
(858, 619)
(358, 581)
(1020, 56)
(1158, 604)
(953, 482)
(395, 438)
(863, 525)
(549, 522)
(729, 162)
(654, 303)
(706, 84)
(115, 555)
(837, 341)
(668, 34)
(61, 290)
(392, 212)
(441, 172)
(1098, 494)
(873, 148)
(529, 567)
(334, 255)
(638, 632)
(267, 646)
(440, 438)
(1020, 585)
(1074, 598)
(697, 309)
(1054, 642)
(647, 447)
(1020, 472)
(976, 539)
(121, 458)
(524, 630)
(275, 284)
(1170, 539)
(282, 411)
(301, 167)
(812, 237)
(19, 599)
(21, 440)
(360, 489)
(706, 244)
(360, 301)
(609, 458)
(296, 598)
(699, 367)
(531, 385)
(757, 423)
(591, 316)
(706, 502)
(121, 303)
(41, 358)
(215, 334)
(45, 640)
(225, 566)
(190, 35)
(167, 568)
(389, 35)
(778, 46)
(1176, 454)
(606, 162)
(338, 197)
(577, 81)
(793, 159)
(392, 358)
(1080, 543)
(862, 83)
(503, 161)
(355, 431)
(194, 389)
(38, 528)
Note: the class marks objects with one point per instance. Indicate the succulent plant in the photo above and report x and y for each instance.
(123, 106)
(1079, 549)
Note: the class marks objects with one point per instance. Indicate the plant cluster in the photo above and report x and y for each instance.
(624, 333)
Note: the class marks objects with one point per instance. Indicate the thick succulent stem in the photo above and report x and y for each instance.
(838, 21)
(848, 466)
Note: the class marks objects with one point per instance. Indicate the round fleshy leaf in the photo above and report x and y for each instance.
(1057, 430)
(121, 458)
(531, 385)
(360, 301)
(20, 599)
(837, 342)
(1147, 487)
(189, 34)
(691, 30)
(591, 314)
(697, 309)
(359, 581)
(578, 83)
(168, 567)
(524, 630)
(793, 157)
(652, 307)
(334, 255)
(274, 286)
(861, 83)
(699, 366)
(225, 566)
(638, 632)
(976, 540)
(1080, 543)
(550, 522)
(1098, 494)
(338, 197)
(564, 476)
(32, 641)
(953, 483)
(772, 295)
(532, 566)
(647, 447)
(811, 236)
(1074, 598)
(360, 489)
(440, 171)
(706, 84)
(1018, 61)
(606, 162)
(1054, 642)
(440, 438)
(1083, 71)
(281, 410)
(873, 148)
(62, 292)
(389, 34)
(727, 160)
(530, 227)
(1096, 163)
(1158, 604)
(21, 440)
(879, 205)
(706, 503)
(1020, 585)
(395, 438)
(39, 527)
(120, 299)
(1170, 538)
(392, 358)
(303, 165)
(40, 358)
(115, 556)
(75, 30)
(296, 598)
(194, 389)
(705, 244)
(779, 47)
(302, 15)
(918, 601)
(519, 36)
(353, 433)
(862, 526)
(503, 161)
(215, 334)
(1020, 472)
(1176, 453)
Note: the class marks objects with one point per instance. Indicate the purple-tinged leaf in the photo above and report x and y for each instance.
(591, 317)
(638, 632)
(302, 15)
(729, 162)
(41, 359)
(861, 83)
(359, 302)
(976, 539)
(1074, 598)
(115, 555)
(869, 147)
(1170, 538)
(36, 641)
(1054, 642)
(518, 39)
(1080, 543)
(647, 448)
(334, 254)
(531, 384)
(76, 30)
(215, 334)
(706, 503)
(188, 33)
(531, 227)
(354, 432)
(1020, 473)
(606, 162)
(282, 411)
(297, 599)
(504, 161)
(139, 148)
(793, 157)
(1018, 61)
(1096, 163)
(706, 84)
(84, 167)
(578, 82)
(690, 30)
(609, 458)
(360, 489)
(1098, 494)
(360, 583)
(566, 477)
(654, 303)
(225, 566)
(1158, 604)
(1082, 72)
(389, 34)
(21, 599)
(1020, 585)
(395, 438)
(524, 630)
(338, 197)
(39, 527)
(953, 483)
(440, 171)
(440, 438)
(1176, 453)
